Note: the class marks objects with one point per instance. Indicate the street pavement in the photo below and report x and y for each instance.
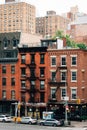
(75, 125)
(79, 124)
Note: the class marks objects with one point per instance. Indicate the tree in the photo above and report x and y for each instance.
(59, 34)
(81, 46)
(69, 41)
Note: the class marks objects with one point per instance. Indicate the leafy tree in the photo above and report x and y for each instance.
(69, 41)
(81, 46)
(59, 34)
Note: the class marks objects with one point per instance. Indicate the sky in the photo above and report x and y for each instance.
(59, 6)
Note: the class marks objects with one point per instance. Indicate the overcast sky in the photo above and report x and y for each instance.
(60, 6)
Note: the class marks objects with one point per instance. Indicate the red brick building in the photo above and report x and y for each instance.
(67, 77)
(68, 71)
(40, 78)
(33, 72)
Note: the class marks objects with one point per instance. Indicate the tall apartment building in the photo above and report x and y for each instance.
(17, 16)
(49, 24)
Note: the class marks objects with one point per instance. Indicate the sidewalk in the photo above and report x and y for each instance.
(79, 124)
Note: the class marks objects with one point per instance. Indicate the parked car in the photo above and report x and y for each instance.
(28, 120)
(5, 118)
(50, 122)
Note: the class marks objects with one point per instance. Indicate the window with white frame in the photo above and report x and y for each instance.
(53, 93)
(63, 60)
(53, 61)
(73, 60)
(73, 76)
(63, 92)
(63, 76)
(73, 93)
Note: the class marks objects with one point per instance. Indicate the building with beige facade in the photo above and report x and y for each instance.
(78, 29)
(49, 24)
(17, 16)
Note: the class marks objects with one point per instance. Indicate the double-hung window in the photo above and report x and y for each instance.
(63, 60)
(63, 76)
(63, 93)
(53, 93)
(73, 60)
(73, 76)
(4, 69)
(73, 93)
(53, 61)
(53, 74)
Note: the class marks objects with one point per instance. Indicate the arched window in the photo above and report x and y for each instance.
(5, 41)
(14, 41)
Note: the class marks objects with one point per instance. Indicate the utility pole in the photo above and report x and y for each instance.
(66, 98)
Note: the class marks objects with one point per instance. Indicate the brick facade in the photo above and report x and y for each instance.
(44, 76)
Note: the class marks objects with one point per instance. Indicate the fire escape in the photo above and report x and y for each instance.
(59, 79)
(32, 79)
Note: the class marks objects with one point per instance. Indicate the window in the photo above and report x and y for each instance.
(4, 94)
(42, 96)
(74, 76)
(4, 69)
(23, 59)
(53, 61)
(12, 81)
(53, 93)
(74, 60)
(5, 41)
(32, 83)
(63, 61)
(41, 72)
(73, 93)
(32, 71)
(3, 81)
(53, 74)
(63, 93)
(42, 85)
(63, 76)
(23, 84)
(32, 58)
(15, 42)
(23, 71)
(41, 58)
(13, 94)
(12, 69)
(23, 97)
